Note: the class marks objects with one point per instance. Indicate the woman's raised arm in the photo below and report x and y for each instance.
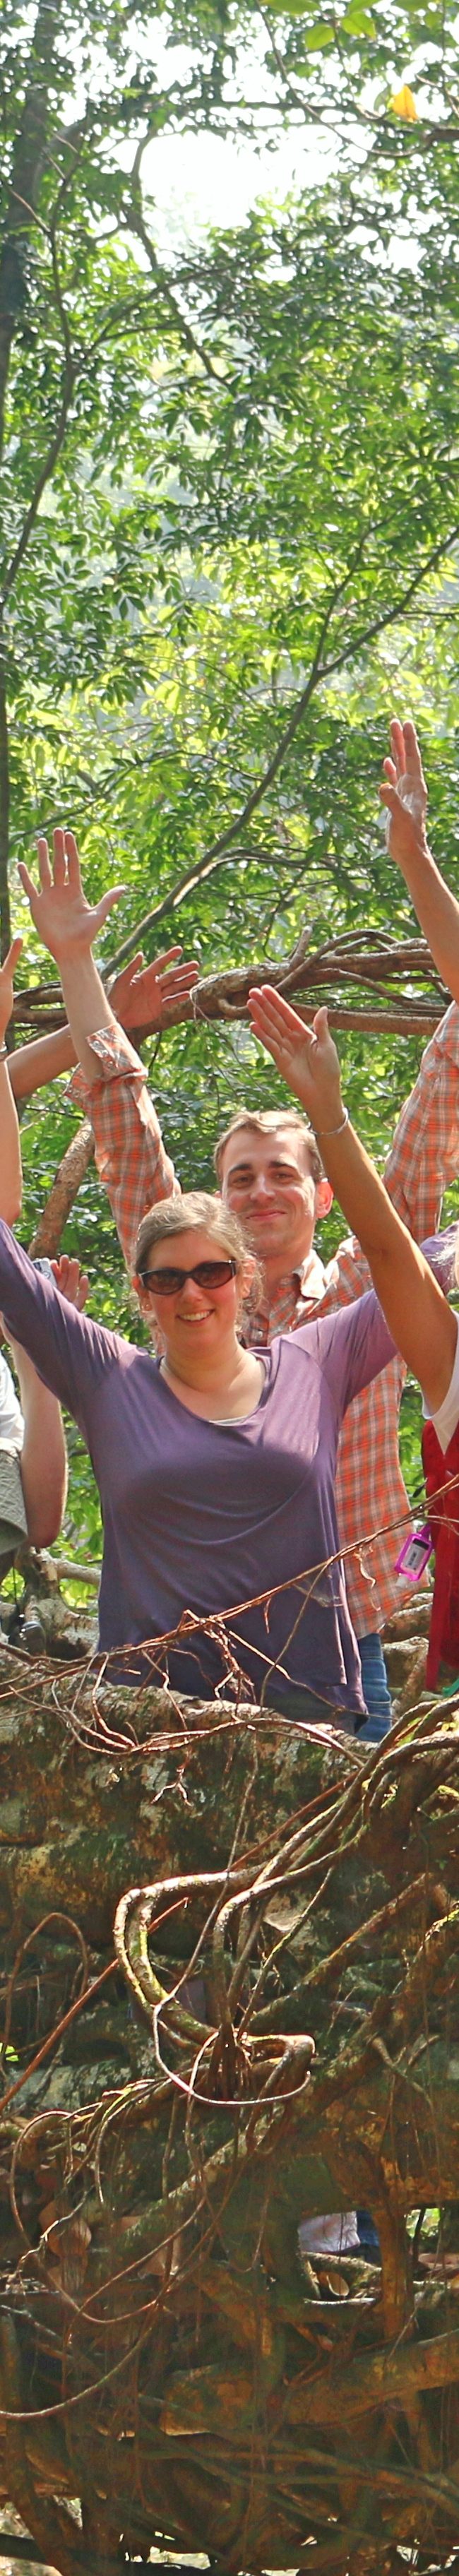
(422, 1323)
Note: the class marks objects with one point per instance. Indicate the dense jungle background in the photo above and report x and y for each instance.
(229, 551)
(229, 513)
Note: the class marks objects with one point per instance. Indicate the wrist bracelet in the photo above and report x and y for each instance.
(334, 1131)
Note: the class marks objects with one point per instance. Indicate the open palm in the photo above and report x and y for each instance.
(65, 922)
(306, 1057)
(404, 794)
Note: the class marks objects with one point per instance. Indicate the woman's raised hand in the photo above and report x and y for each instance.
(306, 1057)
(404, 793)
(66, 923)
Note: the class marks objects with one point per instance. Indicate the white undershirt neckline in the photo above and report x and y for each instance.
(225, 1421)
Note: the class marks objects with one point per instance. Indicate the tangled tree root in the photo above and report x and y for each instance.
(229, 2003)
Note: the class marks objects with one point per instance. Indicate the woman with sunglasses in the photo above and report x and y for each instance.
(215, 1464)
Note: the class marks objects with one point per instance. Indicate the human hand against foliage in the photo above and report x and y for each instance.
(65, 922)
(148, 997)
(404, 793)
(306, 1057)
(71, 1280)
(143, 998)
(6, 985)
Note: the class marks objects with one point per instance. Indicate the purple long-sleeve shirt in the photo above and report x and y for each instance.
(201, 1515)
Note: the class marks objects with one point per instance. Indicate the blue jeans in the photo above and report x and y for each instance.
(375, 1689)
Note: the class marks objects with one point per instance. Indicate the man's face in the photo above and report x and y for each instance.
(265, 1181)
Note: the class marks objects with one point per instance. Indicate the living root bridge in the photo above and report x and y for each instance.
(271, 2033)
(369, 981)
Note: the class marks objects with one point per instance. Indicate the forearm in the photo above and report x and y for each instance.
(30, 1067)
(43, 1456)
(87, 1006)
(416, 1311)
(437, 911)
(10, 1153)
(131, 1158)
(362, 1196)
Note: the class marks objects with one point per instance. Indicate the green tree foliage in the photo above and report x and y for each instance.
(230, 509)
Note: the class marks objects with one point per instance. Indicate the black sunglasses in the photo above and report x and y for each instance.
(208, 1274)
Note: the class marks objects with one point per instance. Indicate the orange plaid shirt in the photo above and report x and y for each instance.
(136, 1171)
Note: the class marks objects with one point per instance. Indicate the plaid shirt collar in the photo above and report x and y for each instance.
(295, 1297)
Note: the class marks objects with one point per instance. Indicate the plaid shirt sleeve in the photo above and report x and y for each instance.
(370, 1489)
(130, 1155)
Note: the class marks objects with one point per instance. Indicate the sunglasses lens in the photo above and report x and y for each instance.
(213, 1274)
(166, 1283)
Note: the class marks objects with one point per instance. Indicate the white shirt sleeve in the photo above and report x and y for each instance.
(444, 1422)
(11, 1422)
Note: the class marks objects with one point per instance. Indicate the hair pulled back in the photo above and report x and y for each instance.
(189, 1212)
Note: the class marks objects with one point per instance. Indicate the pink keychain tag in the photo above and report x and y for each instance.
(414, 1555)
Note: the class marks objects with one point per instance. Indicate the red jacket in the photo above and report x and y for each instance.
(441, 1470)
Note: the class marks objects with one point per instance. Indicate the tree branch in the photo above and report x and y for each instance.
(26, 173)
(135, 223)
(49, 462)
(219, 848)
(319, 671)
(389, 616)
(60, 1198)
(343, 961)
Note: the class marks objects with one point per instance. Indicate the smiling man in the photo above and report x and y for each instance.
(269, 1170)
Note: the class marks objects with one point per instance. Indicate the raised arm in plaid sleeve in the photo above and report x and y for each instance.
(131, 1159)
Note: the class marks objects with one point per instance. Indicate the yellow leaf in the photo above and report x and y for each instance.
(405, 105)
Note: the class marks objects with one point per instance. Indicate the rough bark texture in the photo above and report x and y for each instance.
(385, 967)
(230, 1984)
(23, 195)
(27, 168)
(64, 1190)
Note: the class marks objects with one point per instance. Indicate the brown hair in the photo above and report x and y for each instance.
(264, 1122)
(189, 1211)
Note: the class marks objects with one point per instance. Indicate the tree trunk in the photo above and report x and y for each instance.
(24, 187)
(230, 2003)
(5, 910)
(22, 201)
(64, 1190)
